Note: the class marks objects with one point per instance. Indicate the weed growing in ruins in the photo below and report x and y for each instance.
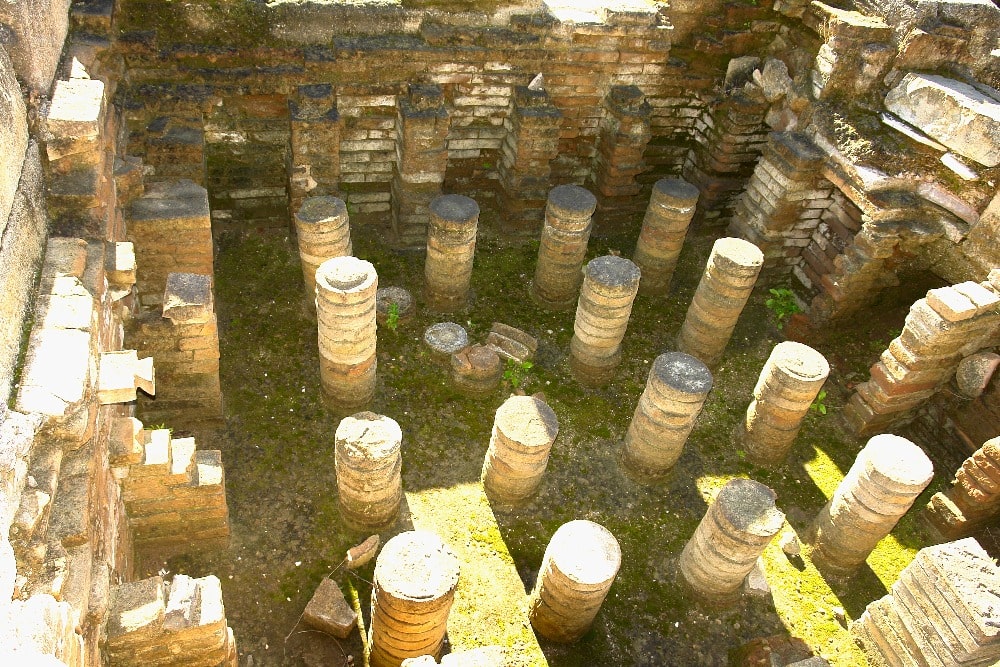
(392, 317)
(782, 304)
(517, 372)
(819, 405)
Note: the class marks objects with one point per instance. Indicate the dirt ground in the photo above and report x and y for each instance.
(279, 456)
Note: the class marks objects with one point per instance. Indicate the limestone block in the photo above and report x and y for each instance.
(39, 29)
(368, 465)
(328, 611)
(511, 343)
(188, 298)
(13, 136)
(975, 371)
(414, 587)
(46, 626)
(121, 374)
(74, 119)
(137, 611)
(17, 435)
(523, 432)
(963, 118)
(56, 372)
(580, 564)
(121, 264)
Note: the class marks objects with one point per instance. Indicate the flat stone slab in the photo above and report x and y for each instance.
(963, 118)
(446, 338)
(328, 611)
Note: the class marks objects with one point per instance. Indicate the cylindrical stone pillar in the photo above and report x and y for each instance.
(451, 247)
(368, 463)
(523, 432)
(609, 287)
(345, 312)
(414, 587)
(324, 232)
(667, 411)
(568, 221)
(725, 286)
(671, 207)
(792, 378)
(732, 535)
(885, 480)
(579, 566)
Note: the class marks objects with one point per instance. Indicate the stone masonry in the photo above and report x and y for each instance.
(368, 464)
(671, 207)
(563, 246)
(323, 230)
(974, 497)
(523, 432)
(451, 249)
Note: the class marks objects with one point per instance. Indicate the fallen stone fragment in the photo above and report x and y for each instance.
(328, 610)
(361, 554)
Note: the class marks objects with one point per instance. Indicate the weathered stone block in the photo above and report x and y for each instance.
(328, 611)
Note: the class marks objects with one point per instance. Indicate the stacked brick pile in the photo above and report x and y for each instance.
(175, 494)
(943, 610)
(838, 224)
(315, 143)
(183, 338)
(856, 51)
(938, 330)
(421, 132)
(780, 209)
(177, 623)
(175, 148)
(323, 230)
(451, 249)
(523, 432)
(621, 145)
(973, 499)
(664, 227)
(367, 147)
(563, 247)
(368, 464)
(171, 231)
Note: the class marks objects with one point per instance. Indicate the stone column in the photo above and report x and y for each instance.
(973, 499)
(624, 132)
(345, 311)
(667, 411)
(792, 378)
(422, 124)
(314, 165)
(941, 611)
(579, 566)
(609, 287)
(530, 145)
(324, 232)
(722, 293)
(414, 587)
(451, 247)
(887, 476)
(563, 246)
(671, 207)
(476, 370)
(523, 432)
(368, 462)
(732, 535)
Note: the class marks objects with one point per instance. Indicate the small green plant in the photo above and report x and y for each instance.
(819, 405)
(517, 372)
(782, 304)
(392, 317)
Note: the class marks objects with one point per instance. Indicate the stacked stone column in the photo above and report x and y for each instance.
(667, 411)
(314, 121)
(578, 568)
(563, 246)
(792, 378)
(722, 293)
(885, 480)
(324, 232)
(530, 144)
(451, 248)
(937, 331)
(414, 587)
(609, 287)
(345, 310)
(973, 499)
(368, 464)
(523, 432)
(943, 610)
(624, 132)
(732, 535)
(671, 207)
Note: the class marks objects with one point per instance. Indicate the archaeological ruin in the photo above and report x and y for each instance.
(478, 334)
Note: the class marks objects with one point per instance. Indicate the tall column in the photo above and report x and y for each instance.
(885, 480)
(578, 568)
(675, 392)
(324, 232)
(345, 312)
(523, 432)
(368, 463)
(974, 497)
(625, 130)
(315, 143)
(451, 248)
(422, 123)
(792, 378)
(563, 246)
(531, 143)
(671, 207)
(723, 291)
(609, 287)
(412, 592)
(732, 535)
